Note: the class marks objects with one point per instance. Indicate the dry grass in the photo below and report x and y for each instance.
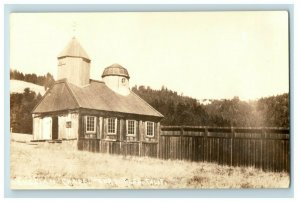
(61, 166)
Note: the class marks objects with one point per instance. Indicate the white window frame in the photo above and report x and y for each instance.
(147, 129)
(86, 124)
(116, 121)
(134, 128)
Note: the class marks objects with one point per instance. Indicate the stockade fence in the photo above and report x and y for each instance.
(264, 148)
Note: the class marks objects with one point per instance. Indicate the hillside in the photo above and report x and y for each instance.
(17, 86)
(45, 80)
(270, 111)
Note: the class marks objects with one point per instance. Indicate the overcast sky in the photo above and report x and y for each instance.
(200, 54)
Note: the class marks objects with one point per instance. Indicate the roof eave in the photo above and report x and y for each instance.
(74, 56)
(148, 115)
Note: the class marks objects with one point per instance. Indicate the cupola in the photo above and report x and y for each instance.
(116, 78)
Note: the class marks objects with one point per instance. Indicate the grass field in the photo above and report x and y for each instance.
(60, 166)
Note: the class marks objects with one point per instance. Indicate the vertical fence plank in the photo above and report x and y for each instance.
(267, 149)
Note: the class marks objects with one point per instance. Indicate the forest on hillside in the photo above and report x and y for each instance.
(182, 110)
(46, 80)
(21, 105)
(177, 109)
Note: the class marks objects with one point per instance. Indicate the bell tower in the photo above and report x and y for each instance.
(74, 64)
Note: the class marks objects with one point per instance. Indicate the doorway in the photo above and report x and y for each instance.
(54, 128)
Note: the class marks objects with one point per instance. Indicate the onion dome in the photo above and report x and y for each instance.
(115, 70)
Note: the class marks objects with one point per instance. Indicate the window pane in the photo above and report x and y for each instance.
(150, 129)
(131, 127)
(111, 125)
(68, 124)
(90, 124)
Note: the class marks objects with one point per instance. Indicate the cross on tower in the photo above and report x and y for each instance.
(74, 25)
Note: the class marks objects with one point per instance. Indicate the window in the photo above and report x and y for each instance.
(68, 124)
(112, 126)
(90, 124)
(61, 62)
(130, 127)
(123, 81)
(149, 129)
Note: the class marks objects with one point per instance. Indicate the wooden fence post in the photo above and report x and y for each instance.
(180, 139)
(158, 139)
(205, 144)
(263, 136)
(232, 145)
(140, 146)
(264, 148)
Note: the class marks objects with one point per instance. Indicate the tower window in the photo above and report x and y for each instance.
(123, 80)
(61, 62)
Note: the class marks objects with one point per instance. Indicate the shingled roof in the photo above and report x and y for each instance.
(96, 95)
(115, 70)
(74, 49)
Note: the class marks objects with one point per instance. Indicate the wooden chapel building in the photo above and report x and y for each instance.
(99, 115)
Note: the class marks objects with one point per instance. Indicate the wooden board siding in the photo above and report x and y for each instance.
(44, 125)
(149, 149)
(80, 126)
(118, 130)
(65, 132)
(62, 126)
(76, 70)
(141, 132)
(37, 128)
(110, 147)
(137, 130)
(100, 128)
(46, 133)
(121, 143)
(130, 148)
(123, 129)
(105, 123)
(42, 128)
(91, 145)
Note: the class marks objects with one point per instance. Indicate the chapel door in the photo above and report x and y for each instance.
(47, 128)
(54, 128)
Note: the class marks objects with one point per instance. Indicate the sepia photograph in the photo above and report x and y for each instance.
(149, 100)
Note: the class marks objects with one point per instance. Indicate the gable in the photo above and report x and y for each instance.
(58, 98)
